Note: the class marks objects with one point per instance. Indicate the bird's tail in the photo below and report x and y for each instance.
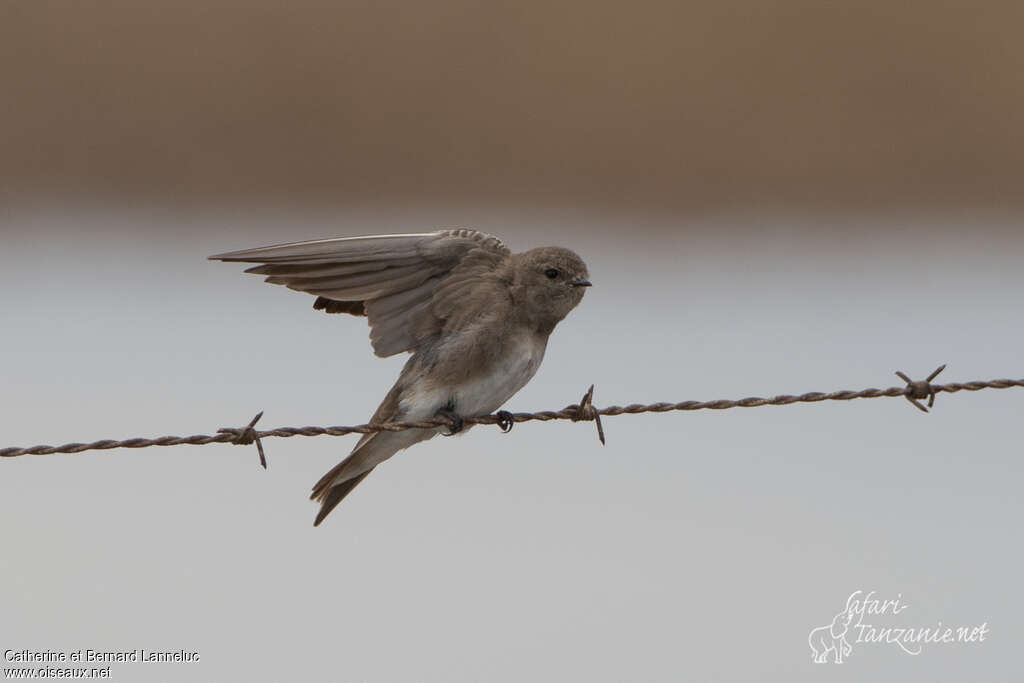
(341, 479)
(333, 495)
(371, 450)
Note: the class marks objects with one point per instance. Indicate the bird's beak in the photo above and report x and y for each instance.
(581, 283)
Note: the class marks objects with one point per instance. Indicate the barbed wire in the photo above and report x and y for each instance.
(914, 392)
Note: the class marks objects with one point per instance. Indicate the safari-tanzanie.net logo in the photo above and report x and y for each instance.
(871, 620)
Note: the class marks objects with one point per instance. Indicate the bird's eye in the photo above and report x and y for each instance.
(551, 273)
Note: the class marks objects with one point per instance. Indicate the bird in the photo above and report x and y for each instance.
(474, 316)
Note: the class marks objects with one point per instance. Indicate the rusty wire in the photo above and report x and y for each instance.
(913, 391)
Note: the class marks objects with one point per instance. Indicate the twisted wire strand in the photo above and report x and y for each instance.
(583, 411)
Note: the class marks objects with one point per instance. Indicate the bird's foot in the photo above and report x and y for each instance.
(456, 422)
(505, 421)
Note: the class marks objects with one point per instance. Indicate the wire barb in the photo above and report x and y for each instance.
(247, 435)
(584, 410)
(917, 391)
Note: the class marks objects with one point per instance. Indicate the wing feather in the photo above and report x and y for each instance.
(395, 280)
(328, 269)
(335, 250)
(350, 281)
(367, 291)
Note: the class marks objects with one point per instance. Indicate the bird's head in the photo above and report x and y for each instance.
(548, 283)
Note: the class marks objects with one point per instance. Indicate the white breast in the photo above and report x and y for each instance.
(486, 392)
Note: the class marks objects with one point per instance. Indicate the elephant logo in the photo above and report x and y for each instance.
(832, 638)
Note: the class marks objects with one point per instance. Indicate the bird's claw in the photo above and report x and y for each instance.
(457, 423)
(505, 421)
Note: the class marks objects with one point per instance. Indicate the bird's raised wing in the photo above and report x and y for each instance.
(391, 279)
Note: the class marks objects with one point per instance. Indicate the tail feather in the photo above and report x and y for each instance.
(330, 498)
(333, 475)
(372, 450)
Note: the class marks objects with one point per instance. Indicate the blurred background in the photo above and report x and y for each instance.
(772, 198)
(687, 106)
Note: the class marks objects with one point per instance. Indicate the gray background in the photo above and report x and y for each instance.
(769, 203)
